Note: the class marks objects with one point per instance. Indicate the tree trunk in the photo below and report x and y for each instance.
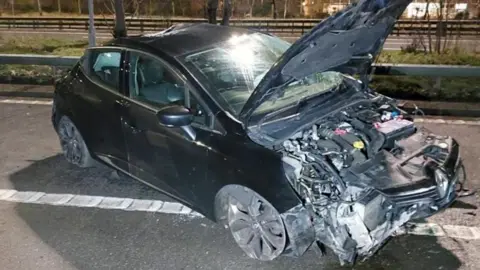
(274, 9)
(446, 25)
(252, 5)
(79, 6)
(13, 7)
(91, 24)
(59, 6)
(212, 6)
(150, 7)
(120, 29)
(438, 41)
(173, 7)
(285, 9)
(39, 6)
(429, 35)
(227, 8)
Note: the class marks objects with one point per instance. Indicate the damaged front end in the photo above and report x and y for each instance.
(362, 175)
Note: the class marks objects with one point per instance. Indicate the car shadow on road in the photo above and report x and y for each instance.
(92, 238)
(55, 175)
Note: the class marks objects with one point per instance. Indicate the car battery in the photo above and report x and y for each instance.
(395, 130)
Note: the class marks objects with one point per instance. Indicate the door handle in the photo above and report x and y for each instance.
(122, 104)
(133, 129)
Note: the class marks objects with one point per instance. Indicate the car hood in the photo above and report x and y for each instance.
(347, 42)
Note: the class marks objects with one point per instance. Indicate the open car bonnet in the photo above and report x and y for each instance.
(347, 42)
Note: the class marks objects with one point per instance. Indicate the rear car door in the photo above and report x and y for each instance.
(100, 89)
(154, 150)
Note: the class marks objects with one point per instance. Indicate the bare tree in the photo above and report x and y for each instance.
(39, 6)
(212, 6)
(150, 8)
(252, 5)
(120, 27)
(79, 6)
(137, 4)
(59, 6)
(13, 7)
(427, 17)
(274, 9)
(227, 12)
(440, 27)
(285, 9)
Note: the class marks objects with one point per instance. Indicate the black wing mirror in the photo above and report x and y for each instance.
(175, 116)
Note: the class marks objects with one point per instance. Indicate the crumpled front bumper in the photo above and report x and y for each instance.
(304, 229)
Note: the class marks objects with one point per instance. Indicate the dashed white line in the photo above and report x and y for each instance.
(27, 102)
(74, 200)
(129, 204)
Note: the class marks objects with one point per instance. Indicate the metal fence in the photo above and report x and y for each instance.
(275, 26)
(378, 69)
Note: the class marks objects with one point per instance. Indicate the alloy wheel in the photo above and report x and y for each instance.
(70, 141)
(257, 228)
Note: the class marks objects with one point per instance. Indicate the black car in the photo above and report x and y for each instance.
(284, 144)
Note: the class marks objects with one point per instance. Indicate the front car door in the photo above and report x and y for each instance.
(100, 87)
(153, 149)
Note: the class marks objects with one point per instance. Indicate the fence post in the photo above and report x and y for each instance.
(141, 25)
(60, 25)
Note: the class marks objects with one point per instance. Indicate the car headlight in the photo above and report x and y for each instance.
(442, 182)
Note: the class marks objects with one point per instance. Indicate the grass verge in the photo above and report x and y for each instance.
(405, 87)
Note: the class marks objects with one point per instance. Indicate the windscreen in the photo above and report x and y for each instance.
(231, 70)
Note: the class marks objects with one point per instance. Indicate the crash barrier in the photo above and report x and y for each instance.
(378, 69)
(275, 26)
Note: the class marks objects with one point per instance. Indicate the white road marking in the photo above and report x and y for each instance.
(25, 101)
(129, 204)
(437, 230)
(76, 200)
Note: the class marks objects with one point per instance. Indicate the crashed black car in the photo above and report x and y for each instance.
(284, 144)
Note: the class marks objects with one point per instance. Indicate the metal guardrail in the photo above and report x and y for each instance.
(275, 26)
(379, 69)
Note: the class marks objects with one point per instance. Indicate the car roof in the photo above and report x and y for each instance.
(181, 39)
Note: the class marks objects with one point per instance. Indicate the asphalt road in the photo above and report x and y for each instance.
(52, 237)
(394, 43)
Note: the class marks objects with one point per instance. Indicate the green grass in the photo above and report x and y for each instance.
(449, 58)
(407, 87)
(28, 45)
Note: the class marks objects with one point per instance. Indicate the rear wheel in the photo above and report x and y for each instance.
(256, 226)
(73, 146)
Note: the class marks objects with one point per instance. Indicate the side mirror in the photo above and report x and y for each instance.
(175, 116)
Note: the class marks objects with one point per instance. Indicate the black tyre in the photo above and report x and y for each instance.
(73, 146)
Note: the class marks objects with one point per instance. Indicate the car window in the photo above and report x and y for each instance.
(231, 70)
(104, 67)
(152, 81)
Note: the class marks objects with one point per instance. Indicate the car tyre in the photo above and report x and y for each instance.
(73, 146)
(256, 226)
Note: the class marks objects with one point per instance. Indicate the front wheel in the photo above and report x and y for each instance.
(73, 146)
(256, 226)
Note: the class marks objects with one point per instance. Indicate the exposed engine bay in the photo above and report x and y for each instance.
(366, 170)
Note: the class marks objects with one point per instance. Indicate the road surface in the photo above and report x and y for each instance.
(394, 43)
(93, 234)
